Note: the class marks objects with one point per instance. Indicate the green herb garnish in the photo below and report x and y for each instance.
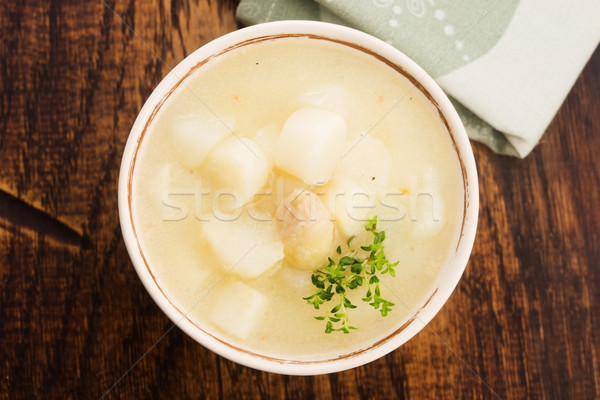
(349, 273)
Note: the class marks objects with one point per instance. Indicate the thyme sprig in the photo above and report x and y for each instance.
(350, 272)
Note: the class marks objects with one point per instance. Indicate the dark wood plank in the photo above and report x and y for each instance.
(523, 322)
(72, 77)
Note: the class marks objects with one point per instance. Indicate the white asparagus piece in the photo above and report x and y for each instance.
(368, 161)
(266, 137)
(335, 98)
(310, 145)
(194, 136)
(306, 229)
(237, 169)
(245, 247)
(427, 207)
(238, 309)
(350, 205)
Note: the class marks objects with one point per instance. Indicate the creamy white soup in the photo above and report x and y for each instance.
(267, 158)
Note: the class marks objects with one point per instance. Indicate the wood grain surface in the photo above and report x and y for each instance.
(76, 323)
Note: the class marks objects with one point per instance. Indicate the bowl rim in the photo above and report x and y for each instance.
(451, 272)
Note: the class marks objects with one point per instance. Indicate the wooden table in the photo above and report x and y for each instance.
(75, 321)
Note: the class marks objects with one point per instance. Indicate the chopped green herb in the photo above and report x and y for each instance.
(349, 273)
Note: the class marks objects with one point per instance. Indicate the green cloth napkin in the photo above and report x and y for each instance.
(507, 65)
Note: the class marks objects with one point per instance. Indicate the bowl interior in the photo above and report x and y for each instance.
(451, 272)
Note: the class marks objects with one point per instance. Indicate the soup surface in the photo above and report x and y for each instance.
(263, 161)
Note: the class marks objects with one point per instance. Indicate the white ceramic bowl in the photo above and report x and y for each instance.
(450, 273)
